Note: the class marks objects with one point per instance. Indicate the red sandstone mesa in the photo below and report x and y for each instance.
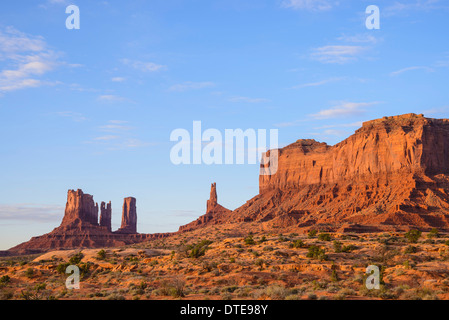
(393, 173)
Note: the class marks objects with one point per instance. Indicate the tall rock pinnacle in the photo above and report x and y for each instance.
(106, 215)
(129, 216)
(212, 202)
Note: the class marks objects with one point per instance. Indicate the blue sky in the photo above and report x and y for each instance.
(94, 108)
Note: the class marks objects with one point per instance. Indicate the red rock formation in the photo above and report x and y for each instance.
(393, 171)
(106, 216)
(80, 228)
(129, 216)
(80, 209)
(214, 212)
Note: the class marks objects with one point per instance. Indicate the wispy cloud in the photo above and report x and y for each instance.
(28, 58)
(143, 65)
(112, 98)
(294, 123)
(418, 5)
(248, 100)
(186, 86)
(343, 109)
(318, 83)
(339, 54)
(359, 38)
(118, 79)
(398, 72)
(75, 116)
(311, 5)
(31, 212)
(119, 135)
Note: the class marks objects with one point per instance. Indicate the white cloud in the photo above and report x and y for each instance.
(143, 66)
(111, 98)
(31, 212)
(337, 54)
(343, 109)
(75, 116)
(359, 38)
(342, 125)
(318, 83)
(27, 57)
(417, 5)
(189, 85)
(396, 73)
(118, 79)
(312, 5)
(248, 100)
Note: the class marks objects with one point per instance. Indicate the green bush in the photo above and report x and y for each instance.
(338, 246)
(298, 244)
(410, 249)
(5, 279)
(199, 249)
(312, 233)
(413, 235)
(101, 255)
(249, 240)
(75, 259)
(317, 253)
(324, 237)
(433, 233)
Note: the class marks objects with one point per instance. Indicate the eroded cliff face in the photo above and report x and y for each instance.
(391, 173)
(407, 144)
(80, 208)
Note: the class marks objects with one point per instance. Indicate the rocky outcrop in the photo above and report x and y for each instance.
(129, 216)
(106, 216)
(214, 212)
(80, 209)
(391, 173)
(80, 227)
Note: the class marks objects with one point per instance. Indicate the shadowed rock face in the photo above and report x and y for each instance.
(392, 172)
(129, 216)
(106, 216)
(80, 209)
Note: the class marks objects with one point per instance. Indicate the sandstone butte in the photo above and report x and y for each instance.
(391, 174)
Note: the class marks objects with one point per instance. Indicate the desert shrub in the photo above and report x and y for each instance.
(410, 249)
(199, 249)
(5, 279)
(324, 237)
(312, 233)
(259, 262)
(268, 248)
(413, 235)
(348, 248)
(29, 273)
(62, 267)
(316, 253)
(263, 239)
(433, 233)
(337, 246)
(249, 240)
(101, 255)
(174, 287)
(276, 292)
(75, 259)
(297, 244)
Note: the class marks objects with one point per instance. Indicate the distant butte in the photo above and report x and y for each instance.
(80, 227)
